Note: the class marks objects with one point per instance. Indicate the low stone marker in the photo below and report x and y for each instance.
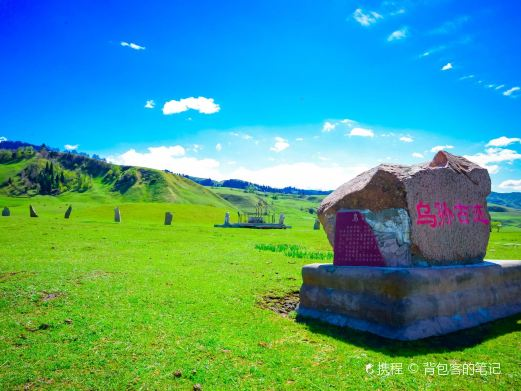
(409, 243)
(32, 212)
(117, 215)
(316, 226)
(68, 212)
(168, 218)
(6, 212)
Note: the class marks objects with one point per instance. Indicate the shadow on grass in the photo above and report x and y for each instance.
(456, 341)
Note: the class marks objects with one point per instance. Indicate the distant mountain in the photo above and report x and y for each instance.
(27, 170)
(510, 200)
(245, 185)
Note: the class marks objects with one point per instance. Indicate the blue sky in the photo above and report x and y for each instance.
(301, 93)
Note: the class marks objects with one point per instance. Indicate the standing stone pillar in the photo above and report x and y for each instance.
(117, 215)
(227, 218)
(168, 218)
(68, 212)
(316, 226)
(6, 212)
(281, 219)
(32, 212)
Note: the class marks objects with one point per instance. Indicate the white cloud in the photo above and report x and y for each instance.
(493, 155)
(347, 122)
(169, 157)
(366, 18)
(400, 11)
(280, 145)
(200, 104)
(218, 147)
(328, 127)
(417, 155)
(301, 174)
(299, 139)
(438, 148)
(511, 184)
(244, 136)
(132, 45)
(361, 132)
(511, 91)
(70, 147)
(490, 85)
(2, 138)
(150, 104)
(451, 25)
(398, 34)
(446, 67)
(499, 86)
(406, 139)
(503, 141)
(433, 50)
(196, 148)
(467, 77)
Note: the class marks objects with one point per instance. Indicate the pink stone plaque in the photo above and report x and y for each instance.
(355, 243)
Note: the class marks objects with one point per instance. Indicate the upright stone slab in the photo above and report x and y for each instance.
(168, 218)
(227, 218)
(281, 219)
(439, 208)
(117, 215)
(6, 212)
(32, 212)
(316, 226)
(68, 212)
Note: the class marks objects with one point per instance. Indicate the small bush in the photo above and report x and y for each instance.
(295, 251)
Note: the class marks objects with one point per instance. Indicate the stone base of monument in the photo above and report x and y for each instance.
(253, 225)
(411, 303)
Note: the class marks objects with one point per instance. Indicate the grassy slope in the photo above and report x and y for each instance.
(510, 220)
(146, 300)
(11, 169)
(165, 188)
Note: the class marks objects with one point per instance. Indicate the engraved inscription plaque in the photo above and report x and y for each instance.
(355, 243)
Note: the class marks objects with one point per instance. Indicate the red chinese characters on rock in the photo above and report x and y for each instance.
(442, 214)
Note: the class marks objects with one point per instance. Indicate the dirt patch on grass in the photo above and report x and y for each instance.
(280, 303)
(8, 275)
(48, 296)
(94, 275)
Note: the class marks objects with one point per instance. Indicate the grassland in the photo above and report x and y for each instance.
(87, 303)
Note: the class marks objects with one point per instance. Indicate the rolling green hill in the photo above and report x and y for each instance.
(25, 173)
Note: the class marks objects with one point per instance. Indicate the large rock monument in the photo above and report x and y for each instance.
(409, 245)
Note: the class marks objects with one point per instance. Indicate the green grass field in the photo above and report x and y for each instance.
(87, 303)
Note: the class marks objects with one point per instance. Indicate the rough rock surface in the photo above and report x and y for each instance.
(445, 200)
(32, 212)
(117, 215)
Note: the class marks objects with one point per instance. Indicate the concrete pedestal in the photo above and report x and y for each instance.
(411, 303)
